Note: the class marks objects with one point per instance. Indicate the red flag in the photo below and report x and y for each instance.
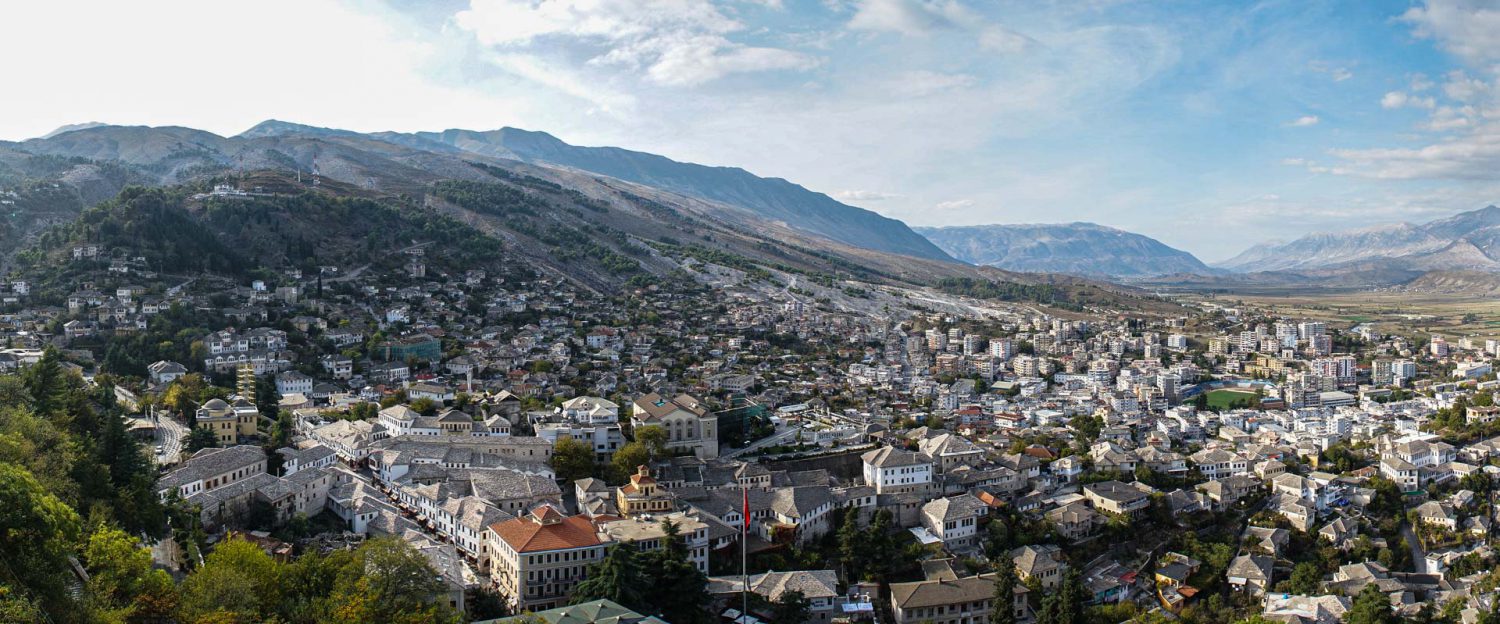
(746, 491)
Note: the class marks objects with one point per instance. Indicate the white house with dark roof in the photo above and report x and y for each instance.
(891, 470)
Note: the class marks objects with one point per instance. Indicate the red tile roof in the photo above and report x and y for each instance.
(529, 534)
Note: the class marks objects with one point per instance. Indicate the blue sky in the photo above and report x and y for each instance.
(1211, 126)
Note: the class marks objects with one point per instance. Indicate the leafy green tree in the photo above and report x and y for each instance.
(46, 384)
(1371, 606)
(122, 583)
(37, 533)
(655, 440)
(16, 607)
(880, 546)
(183, 395)
(389, 581)
(627, 458)
(238, 582)
(1306, 578)
(201, 438)
(851, 545)
(424, 406)
(1065, 604)
(571, 459)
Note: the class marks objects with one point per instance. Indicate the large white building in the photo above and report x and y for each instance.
(891, 470)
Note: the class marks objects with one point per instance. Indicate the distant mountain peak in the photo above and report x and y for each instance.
(279, 128)
(1435, 244)
(71, 127)
(1080, 248)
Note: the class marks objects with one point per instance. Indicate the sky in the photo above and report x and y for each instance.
(1211, 126)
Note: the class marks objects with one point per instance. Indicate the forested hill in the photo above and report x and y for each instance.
(177, 231)
(76, 494)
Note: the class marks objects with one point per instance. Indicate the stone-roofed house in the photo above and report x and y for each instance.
(954, 520)
(819, 587)
(295, 459)
(951, 601)
(949, 451)
(591, 612)
(211, 469)
(891, 470)
(1251, 573)
(1042, 562)
(1075, 520)
(1125, 499)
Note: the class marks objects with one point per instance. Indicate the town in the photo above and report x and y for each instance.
(557, 454)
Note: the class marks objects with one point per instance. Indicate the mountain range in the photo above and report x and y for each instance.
(771, 198)
(606, 218)
(1075, 248)
(1467, 241)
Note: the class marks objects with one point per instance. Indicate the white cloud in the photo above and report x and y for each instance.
(909, 17)
(1459, 86)
(1304, 121)
(1467, 28)
(1466, 122)
(1473, 156)
(923, 82)
(850, 196)
(173, 61)
(1400, 99)
(954, 204)
(564, 80)
(1337, 73)
(675, 42)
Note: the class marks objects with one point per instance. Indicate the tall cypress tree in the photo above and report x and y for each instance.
(619, 577)
(1003, 611)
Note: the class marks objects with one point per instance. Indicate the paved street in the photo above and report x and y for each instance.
(783, 435)
(170, 436)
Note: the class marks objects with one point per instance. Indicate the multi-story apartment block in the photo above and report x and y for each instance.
(536, 560)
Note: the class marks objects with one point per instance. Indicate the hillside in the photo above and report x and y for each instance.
(182, 231)
(600, 231)
(771, 198)
(1075, 248)
(405, 163)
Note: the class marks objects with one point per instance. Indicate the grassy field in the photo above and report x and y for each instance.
(1223, 399)
(1393, 312)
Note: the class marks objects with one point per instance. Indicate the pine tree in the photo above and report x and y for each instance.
(1371, 606)
(1003, 610)
(679, 589)
(851, 546)
(619, 577)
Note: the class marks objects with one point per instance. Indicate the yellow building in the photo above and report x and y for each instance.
(642, 496)
(229, 422)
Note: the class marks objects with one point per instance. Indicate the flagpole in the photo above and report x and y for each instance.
(744, 558)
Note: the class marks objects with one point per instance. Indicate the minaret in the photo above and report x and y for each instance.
(245, 382)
